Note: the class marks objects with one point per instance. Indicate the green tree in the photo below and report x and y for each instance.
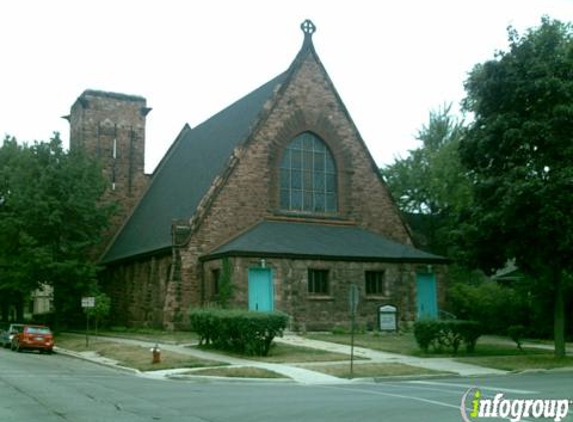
(101, 309)
(50, 218)
(519, 150)
(430, 185)
(14, 284)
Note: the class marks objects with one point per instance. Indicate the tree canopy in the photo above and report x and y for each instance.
(519, 151)
(430, 185)
(50, 218)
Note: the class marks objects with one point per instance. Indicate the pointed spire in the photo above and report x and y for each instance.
(308, 28)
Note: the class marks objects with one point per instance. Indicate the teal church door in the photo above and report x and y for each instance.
(261, 295)
(427, 297)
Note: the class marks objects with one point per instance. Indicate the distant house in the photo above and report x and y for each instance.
(509, 274)
(42, 300)
(278, 192)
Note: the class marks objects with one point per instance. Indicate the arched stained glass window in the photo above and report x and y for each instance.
(308, 176)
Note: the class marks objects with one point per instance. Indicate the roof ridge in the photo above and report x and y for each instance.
(318, 241)
(212, 143)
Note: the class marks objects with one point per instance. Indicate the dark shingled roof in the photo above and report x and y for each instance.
(186, 173)
(319, 241)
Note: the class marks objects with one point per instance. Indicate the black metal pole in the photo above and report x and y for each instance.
(87, 329)
(352, 345)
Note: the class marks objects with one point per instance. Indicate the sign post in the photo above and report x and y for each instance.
(353, 298)
(88, 302)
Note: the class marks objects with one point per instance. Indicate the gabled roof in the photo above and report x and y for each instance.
(286, 239)
(185, 174)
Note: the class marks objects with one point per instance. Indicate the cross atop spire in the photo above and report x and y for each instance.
(308, 28)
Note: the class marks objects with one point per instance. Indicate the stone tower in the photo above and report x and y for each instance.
(111, 127)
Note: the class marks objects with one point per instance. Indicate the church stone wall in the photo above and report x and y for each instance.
(137, 290)
(249, 192)
(313, 313)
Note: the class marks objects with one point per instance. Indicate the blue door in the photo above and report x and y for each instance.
(427, 298)
(261, 295)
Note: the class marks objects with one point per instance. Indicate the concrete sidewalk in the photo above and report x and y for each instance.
(294, 371)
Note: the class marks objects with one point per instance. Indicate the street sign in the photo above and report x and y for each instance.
(88, 302)
(353, 298)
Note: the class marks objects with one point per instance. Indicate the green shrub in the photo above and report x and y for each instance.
(440, 335)
(245, 332)
(426, 333)
(469, 332)
(494, 305)
(339, 330)
(202, 323)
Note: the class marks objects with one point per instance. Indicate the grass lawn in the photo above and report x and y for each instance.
(237, 372)
(286, 353)
(405, 344)
(396, 343)
(131, 356)
(363, 370)
(521, 362)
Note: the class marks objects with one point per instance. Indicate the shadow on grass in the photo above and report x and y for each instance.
(286, 353)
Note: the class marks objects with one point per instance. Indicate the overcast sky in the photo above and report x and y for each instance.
(391, 61)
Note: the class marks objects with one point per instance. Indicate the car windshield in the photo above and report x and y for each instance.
(38, 330)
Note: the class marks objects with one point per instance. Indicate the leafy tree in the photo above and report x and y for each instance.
(519, 149)
(50, 218)
(101, 309)
(430, 185)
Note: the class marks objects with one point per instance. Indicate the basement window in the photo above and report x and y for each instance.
(216, 277)
(375, 283)
(318, 282)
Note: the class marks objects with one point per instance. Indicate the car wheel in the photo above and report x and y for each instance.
(17, 347)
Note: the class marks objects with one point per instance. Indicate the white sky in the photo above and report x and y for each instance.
(391, 61)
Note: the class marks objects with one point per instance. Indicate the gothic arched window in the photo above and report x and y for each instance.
(308, 176)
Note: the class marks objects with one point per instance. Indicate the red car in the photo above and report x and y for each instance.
(35, 337)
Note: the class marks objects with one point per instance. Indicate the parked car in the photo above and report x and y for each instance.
(35, 337)
(7, 335)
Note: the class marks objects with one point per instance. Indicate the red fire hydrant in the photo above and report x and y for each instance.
(156, 353)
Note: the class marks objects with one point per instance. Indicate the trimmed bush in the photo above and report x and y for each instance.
(244, 332)
(470, 331)
(426, 333)
(440, 335)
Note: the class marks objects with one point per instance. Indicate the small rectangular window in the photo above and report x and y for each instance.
(375, 283)
(318, 282)
(216, 273)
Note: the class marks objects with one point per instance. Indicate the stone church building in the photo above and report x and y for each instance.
(276, 196)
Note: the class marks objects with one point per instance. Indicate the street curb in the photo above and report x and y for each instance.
(537, 370)
(77, 355)
(210, 378)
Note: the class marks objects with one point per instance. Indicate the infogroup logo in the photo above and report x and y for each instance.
(474, 407)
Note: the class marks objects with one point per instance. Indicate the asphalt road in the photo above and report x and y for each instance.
(56, 388)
